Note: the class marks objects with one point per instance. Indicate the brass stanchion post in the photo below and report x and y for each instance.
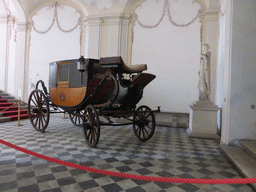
(19, 114)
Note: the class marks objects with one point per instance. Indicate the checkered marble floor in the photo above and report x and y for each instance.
(169, 153)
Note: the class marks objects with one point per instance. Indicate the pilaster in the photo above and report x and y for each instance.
(93, 37)
(107, 36)
(26, 65)
(210, 29)
(20, 59)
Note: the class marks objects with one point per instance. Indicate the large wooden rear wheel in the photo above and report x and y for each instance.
(91, 125)
(144, 123)
(38, 110)
(76, 117)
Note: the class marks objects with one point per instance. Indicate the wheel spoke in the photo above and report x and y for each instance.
(75, 119)
(143, 132)
(137, 129)
(37, 98)
(36, 120)
(89, 134)
(149, 114)
(42, 122)
(140, 132)
(148, 127)
(43, 115)
(39, 123)
(93, 135)
(33, 102)
(146, 131)
(41, 99)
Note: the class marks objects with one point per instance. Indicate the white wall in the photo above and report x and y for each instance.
(172, 53)
(54, 45)
(2, 53)
(3, 23)
(11, 64)
(240, 119)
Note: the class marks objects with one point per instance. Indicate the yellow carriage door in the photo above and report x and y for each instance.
(65, 88)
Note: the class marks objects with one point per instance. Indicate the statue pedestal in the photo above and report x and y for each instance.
(203, 120)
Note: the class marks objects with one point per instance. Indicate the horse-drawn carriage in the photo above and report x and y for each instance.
(91, 90)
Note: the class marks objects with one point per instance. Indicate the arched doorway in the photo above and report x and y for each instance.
(55, 35)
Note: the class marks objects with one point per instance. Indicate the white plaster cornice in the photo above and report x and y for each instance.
(107, 19)
(108, 16)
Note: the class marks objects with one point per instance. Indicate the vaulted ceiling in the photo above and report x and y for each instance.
(88, 7)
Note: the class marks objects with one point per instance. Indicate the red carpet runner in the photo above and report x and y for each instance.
(12, 112)
(130, 176)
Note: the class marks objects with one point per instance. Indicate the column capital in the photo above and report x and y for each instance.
(21, 27)
(211, 15)
(28, 26)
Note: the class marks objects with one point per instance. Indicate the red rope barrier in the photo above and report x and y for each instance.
(131, 176)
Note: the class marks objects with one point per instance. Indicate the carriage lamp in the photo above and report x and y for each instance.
(81, 66)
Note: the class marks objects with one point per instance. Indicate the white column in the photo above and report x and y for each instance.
(26, 65)
(82, 38)
(10, 55)
(8, 29)
(20, 60)
(210, 21)
(124, 37)
(93, 37)
(107, 36)
(3, 39)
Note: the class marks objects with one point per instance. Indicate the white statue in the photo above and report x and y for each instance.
(204, 74)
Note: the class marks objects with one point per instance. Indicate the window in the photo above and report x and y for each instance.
(63, 73)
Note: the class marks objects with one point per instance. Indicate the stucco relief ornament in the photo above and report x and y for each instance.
(166, 8)
(55, 17)
(204, 74)
(106, 4)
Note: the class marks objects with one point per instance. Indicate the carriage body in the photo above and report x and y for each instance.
(72, 90)
(104, 88)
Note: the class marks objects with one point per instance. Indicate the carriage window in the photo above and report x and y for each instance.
(63, 73)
